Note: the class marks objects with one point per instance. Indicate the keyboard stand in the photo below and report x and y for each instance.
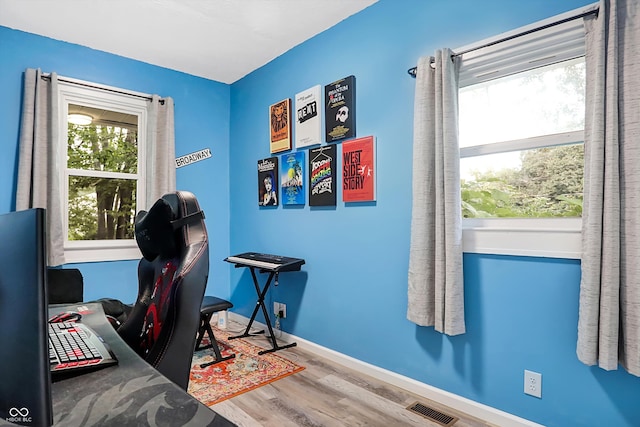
(260, 304)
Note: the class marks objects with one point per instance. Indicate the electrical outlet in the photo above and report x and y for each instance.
(280, 310)
(533, 383)
(283, 311)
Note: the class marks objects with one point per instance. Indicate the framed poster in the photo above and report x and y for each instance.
(292, 178)
(308, 117)
(280, 126)
(340, 109)
(322, 176)
(268, 182)
(359, 170)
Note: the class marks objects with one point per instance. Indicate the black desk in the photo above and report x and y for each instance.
(131, 393)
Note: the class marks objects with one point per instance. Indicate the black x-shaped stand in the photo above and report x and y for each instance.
(260, 304)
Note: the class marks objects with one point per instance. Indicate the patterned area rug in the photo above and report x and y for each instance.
(245, 372)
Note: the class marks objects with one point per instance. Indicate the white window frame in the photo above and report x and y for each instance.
(539, 237)
(71, 91)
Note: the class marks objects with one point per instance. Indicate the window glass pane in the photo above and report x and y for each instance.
(108, 143)
(544, 182)
(542, 101)
(101, 208)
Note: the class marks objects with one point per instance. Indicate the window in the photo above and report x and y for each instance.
(521, 144)
(521, 118)
(102, 173)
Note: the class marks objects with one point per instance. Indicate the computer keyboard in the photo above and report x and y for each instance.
(76, 347)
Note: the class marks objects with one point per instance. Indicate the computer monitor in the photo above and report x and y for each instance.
(25, 379)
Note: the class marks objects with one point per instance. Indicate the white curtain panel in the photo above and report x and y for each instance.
(436, 288)
(161, 153)
(38, 176)
(609, 314)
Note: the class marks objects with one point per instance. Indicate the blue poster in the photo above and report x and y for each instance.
(292, 178)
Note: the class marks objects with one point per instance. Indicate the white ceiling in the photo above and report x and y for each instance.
(221, 40)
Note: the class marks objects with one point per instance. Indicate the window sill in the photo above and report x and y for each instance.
(116, 251)
(550, 238)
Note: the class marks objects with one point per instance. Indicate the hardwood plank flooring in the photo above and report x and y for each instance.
(328, 394)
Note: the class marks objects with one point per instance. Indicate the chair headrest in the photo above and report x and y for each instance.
(155, 229)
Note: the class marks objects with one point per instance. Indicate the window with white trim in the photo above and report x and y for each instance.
(521, 106)
(102, 171)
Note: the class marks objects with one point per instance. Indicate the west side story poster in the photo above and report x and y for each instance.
(359, 170)
(322, 176)
(268, 182)
(340, 111)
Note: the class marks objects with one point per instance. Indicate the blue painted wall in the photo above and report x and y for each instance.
(351, 294)
(201, 121)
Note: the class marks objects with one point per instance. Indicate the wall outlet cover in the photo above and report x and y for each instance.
(533, 383)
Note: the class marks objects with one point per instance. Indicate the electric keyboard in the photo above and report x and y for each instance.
(267, 262)
(273, 265)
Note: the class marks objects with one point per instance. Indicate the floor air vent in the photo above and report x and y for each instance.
(432, 414)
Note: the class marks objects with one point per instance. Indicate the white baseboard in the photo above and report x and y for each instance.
(459, 403)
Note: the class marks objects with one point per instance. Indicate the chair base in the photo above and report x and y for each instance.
(209, 306)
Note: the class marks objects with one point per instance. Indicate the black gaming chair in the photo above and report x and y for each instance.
(172, 276)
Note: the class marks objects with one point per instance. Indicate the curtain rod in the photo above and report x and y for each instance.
(100, 87)
(413, 70)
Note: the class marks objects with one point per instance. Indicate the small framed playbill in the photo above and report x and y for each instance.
(308, 117)
(280, 126)
(268, 182)
(359, 170)
(292, 168)
(340, 106)
(322, 176)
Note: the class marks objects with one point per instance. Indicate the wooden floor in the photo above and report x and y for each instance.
(328, 394)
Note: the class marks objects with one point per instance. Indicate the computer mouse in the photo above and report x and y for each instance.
(65, 316)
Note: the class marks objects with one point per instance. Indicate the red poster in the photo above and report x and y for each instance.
(358, 170)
